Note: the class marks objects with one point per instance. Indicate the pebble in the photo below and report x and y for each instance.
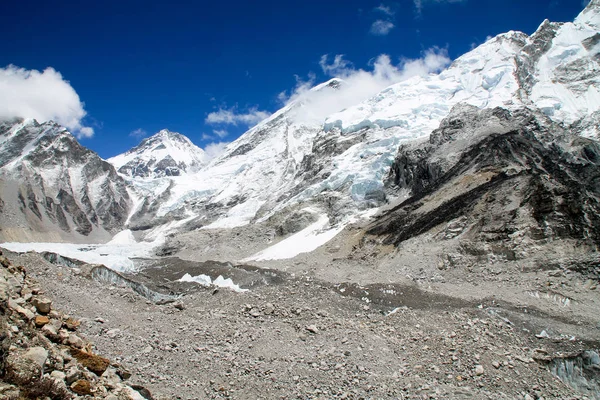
(312, 329)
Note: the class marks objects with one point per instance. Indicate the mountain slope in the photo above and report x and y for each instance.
(55, 189)
(521, 188)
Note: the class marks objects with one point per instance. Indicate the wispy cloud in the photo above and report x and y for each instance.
(221, 133)
(381, 27)
(337, 67)
(213, 150)
(358, 84)
(232, 117)
(420, 4)
(387, 10)
(43, 96)
(138, 133)
(384, 24)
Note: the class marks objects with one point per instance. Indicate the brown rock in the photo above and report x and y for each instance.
(42, 304)
(91, 361)
(82, 387)
(72, 324)
(4, 261)
(41, 320)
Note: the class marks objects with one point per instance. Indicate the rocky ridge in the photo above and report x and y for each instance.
(54, 188)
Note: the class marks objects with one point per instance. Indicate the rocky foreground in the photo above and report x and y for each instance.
(42, 355)
(295, 338)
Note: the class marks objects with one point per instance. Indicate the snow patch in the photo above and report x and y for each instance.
(123, 237)
(305, 241)
(205, 280)
(116, 254)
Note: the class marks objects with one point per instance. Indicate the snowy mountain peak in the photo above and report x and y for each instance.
(590, 15)
(164, 154)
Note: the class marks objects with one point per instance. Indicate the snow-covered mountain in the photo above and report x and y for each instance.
(337, 169)
(52, 188)
(294, 169)
(164, 154)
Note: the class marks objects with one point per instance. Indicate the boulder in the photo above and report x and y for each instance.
(42, 304)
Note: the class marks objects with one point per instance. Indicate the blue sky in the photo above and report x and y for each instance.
(141, 66)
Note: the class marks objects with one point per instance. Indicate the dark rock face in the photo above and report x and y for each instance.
(516, 174)
(61, 182)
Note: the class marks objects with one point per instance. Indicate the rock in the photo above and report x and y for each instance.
(41, 320)
(37, 355)
(75, 341)
(111, 377)
(478, 370)
(113, 333)
(51, 333)
(496, 364)
(8, 391)
(72, 324)
(91, 361)
(42, 304)
(82, 387)
(12, 303)
(269, 309)
(25, 370)
(123, 373)
(58, 375)
(179, 305)
(255, 313)
(5, 262)
(312, 329)
(145, 393)
(72, 375)
(542, 334)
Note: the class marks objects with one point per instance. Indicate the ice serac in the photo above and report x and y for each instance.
(54, 189)
(164, 154)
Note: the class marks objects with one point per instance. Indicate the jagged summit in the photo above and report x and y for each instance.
(52, 187)
(165, 153)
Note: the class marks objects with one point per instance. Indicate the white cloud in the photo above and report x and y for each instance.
(385, 9)
(138, 133)
(206, 136)
(381, 27)
(220, 133)
(339, 66)
(358, 84)
(213, 150)
(41, 95)
(420, 4)
(232, 117)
